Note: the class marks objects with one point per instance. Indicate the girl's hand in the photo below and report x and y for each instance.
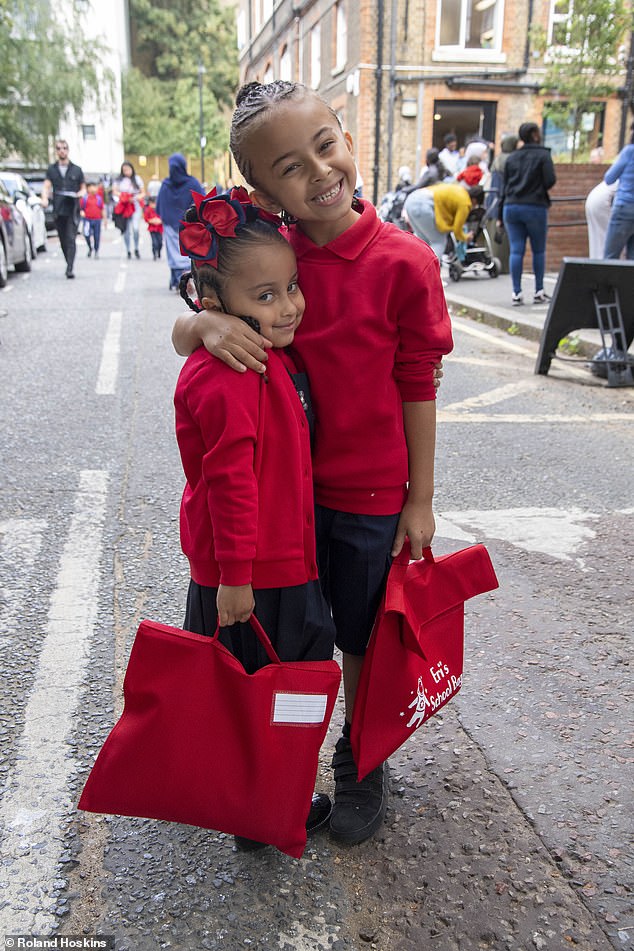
(234, 603)
(227, 337)
(418, 524)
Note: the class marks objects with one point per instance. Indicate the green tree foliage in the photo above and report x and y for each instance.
(582, 61)
(47, 69)
(161, 104)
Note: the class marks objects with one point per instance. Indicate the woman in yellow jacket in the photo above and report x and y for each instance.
(434, 212)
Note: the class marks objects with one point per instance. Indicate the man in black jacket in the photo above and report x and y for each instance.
(66, 181)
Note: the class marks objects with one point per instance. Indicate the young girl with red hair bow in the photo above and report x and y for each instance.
(247, 522)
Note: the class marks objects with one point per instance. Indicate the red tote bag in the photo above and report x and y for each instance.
(413, 664)
(202, 742)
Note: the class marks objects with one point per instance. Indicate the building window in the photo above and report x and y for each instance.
(315, 56)
(269, 75)
(241, 29)
(286, 69)
(559, 27)
(569, 143)
(88, 132)
(469, 24)
(341, 36)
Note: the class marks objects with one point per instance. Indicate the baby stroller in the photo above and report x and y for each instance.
(475, 257)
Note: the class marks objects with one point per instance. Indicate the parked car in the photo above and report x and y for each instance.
(15, 242)
(30, 206)
(35, 180)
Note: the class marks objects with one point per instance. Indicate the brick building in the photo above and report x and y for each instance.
(403, 73)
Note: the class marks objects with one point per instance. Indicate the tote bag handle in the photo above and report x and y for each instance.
(263, 638)
(405, 555)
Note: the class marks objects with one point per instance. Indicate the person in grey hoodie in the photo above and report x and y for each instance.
(529, 174)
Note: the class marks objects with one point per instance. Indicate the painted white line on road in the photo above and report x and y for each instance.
(20, 543)
(549, 531)
(498, 395)
(109, 367)
(119, 284)
(541, 418)
(463, 326)
(36, 801)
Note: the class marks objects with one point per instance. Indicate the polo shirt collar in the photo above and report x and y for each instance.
(348, 245)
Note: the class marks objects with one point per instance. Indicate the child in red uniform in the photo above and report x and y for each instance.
(472, 174)
(154, 226)
(92, 210)
(375, 326)
(247, 513)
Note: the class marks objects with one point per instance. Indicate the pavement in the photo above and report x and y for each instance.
(487, 299)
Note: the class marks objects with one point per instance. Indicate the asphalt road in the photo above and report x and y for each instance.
(510, 820)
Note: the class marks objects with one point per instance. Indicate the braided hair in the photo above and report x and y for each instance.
(253, 102)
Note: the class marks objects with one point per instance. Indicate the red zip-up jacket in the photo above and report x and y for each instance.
(247, 510)
(375, 324)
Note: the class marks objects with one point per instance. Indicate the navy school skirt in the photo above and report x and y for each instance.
(297, 620)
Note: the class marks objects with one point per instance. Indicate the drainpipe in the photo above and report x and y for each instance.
(392, 95)
(527, 48)
(377, 102)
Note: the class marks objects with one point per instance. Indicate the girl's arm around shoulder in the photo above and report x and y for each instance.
(228, 338)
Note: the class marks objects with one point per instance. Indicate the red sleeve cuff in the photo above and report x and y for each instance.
(416, 392)
(234, 573)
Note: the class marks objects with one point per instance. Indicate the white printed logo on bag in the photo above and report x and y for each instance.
(449, 685)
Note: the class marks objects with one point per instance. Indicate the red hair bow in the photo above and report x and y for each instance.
(218, 216)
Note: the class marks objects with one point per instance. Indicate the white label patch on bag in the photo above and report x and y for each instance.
(299, 707)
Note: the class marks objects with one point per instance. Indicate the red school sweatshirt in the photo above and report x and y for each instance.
(375, 324)
(247, 510)
(92, 206)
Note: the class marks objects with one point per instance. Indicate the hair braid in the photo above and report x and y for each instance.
(182, 290)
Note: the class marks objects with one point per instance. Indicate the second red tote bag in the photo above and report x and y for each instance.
(413, 664)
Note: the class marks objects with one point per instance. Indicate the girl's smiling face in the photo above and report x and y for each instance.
(302, 162)
(263, 284)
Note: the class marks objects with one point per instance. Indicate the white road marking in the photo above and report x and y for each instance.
(550, 531)
(540, 418)
(20, 543)
(37, 800)
(119, 284)
(465, 326)
(498, 395)
(109, 367)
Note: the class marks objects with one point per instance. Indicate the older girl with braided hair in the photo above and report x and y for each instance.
(375, 326)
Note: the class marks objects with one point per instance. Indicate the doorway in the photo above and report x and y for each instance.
(467, 119)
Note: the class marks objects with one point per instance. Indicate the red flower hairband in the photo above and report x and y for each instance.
(218, 217)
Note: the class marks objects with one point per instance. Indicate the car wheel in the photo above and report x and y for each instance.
(28, 256)
(4, 265)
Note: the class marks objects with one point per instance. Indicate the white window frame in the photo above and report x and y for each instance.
(556, 18)
(315, 56)
(286, 64)
(341, 37)
(459, 52)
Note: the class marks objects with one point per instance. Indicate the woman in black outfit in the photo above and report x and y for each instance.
(528, 175)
